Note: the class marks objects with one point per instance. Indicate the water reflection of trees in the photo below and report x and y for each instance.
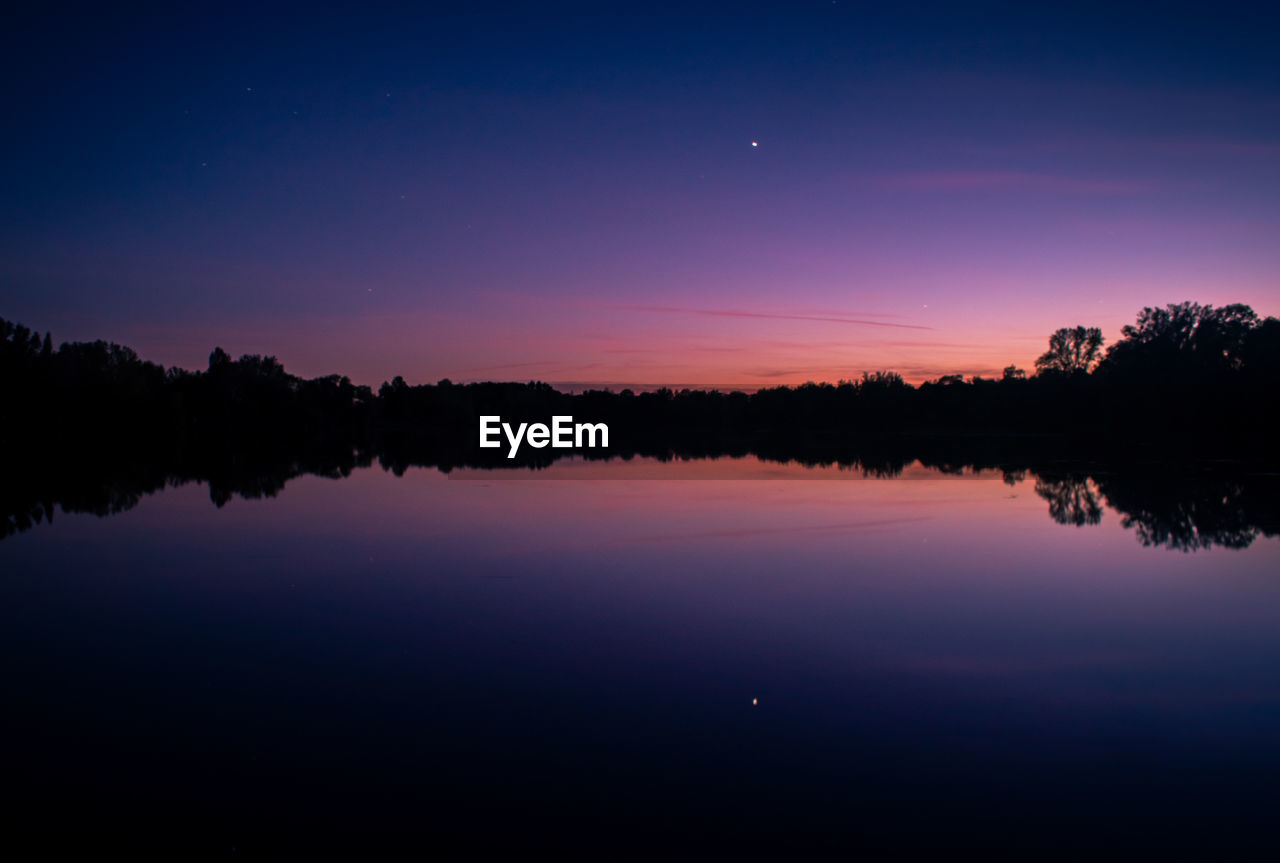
(1072, 499)
(1194, 512)
(1185, 508)
(1180, 508)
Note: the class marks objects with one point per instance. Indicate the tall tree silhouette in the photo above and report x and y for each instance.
(1071, 350)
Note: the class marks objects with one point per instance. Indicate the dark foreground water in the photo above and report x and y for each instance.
(753, 661)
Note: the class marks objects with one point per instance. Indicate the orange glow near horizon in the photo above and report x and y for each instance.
(747, 346)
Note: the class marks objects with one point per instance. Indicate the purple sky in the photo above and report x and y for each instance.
(571, 194)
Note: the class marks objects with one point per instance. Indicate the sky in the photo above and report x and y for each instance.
(611, 194)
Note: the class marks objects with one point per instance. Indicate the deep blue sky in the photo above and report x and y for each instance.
(570, 192)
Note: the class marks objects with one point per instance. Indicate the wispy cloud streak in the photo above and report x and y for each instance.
(739, 313)
(958, 181)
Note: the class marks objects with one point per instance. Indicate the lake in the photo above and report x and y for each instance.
(720, 655)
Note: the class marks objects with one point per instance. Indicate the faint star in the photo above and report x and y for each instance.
(755, 143)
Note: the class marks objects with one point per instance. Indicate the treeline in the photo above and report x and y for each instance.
(1182, 373)
(101, 392)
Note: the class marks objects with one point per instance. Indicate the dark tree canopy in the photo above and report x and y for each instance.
(1185, 338)
(1072, 350)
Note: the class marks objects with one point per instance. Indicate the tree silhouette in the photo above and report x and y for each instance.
(1071, 350)
(1185, 339)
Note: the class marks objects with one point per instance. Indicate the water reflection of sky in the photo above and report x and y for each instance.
(933, 647)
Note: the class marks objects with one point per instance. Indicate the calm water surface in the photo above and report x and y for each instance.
(765, 663)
